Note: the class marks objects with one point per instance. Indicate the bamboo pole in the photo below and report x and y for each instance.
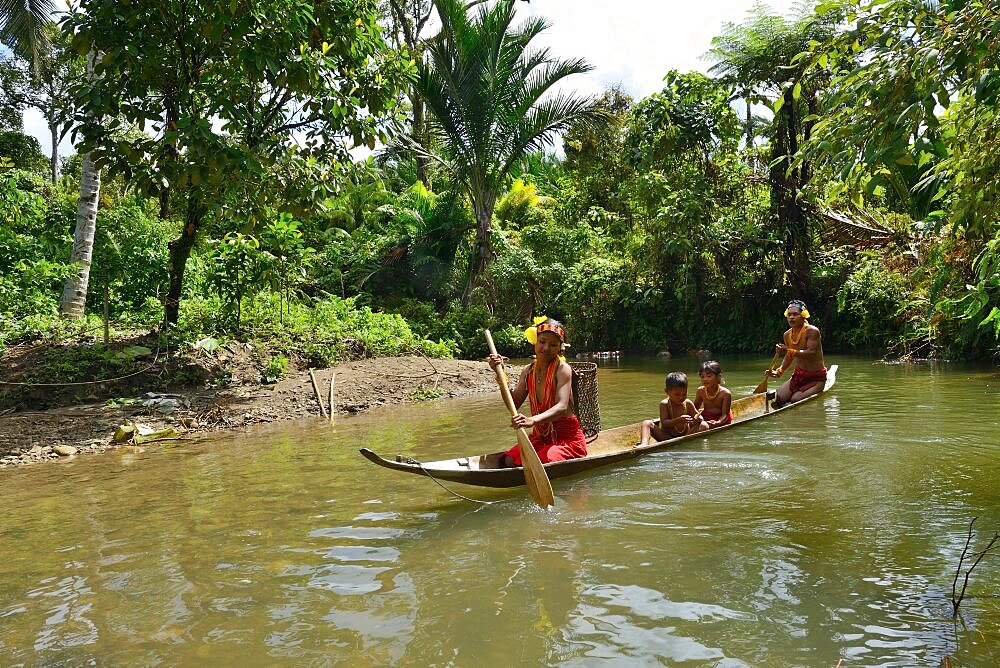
(333, 379)
(319, 397)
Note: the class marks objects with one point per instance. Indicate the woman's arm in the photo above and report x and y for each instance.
(520, 392)
(699, 398)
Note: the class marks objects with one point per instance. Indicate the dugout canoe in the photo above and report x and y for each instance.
(610, 446)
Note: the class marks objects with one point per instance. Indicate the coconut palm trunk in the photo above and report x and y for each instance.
(74, 297)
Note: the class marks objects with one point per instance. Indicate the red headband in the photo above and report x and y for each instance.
(555, 329)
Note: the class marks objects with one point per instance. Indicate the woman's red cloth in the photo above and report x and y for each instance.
(566, 441)
(559, 439)
(803, 380)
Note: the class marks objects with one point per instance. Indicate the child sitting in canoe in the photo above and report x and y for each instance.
(547, 383)
(712, 399)
(678, 415)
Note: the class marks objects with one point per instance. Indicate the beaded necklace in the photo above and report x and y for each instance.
(713, 396)
(548, 395)
(795, 340)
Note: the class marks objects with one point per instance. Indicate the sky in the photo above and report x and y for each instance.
(629, 42)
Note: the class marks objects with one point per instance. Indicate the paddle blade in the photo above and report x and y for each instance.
(760, 389)
(534, 473)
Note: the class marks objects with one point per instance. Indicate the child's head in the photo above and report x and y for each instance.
(711, 371)
(676, 386)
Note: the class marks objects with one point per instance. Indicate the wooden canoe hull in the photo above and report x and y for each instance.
(609, 447)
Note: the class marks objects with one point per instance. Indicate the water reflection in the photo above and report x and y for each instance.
(827, 532)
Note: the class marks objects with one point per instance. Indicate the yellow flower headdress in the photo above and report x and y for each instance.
(801, 305)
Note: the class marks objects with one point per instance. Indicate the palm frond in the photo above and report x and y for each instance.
(22, 25)
(542, 123)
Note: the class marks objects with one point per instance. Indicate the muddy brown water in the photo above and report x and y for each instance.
(829, 532)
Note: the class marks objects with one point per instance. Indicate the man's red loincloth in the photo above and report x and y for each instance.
(803, 380)
(715, 415)
(565, 441)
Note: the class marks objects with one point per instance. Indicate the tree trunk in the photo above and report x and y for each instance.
(171, 115)
(482, 252)
(749, 126)
(54, 155)
(420, 135)
(786, 187)
(74, 297)
(179, 250)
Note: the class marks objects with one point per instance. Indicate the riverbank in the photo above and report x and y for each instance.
(34, 436)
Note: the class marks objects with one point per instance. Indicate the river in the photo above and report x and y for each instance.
(830, 532)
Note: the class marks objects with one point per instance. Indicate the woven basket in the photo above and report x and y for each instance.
(585, 393)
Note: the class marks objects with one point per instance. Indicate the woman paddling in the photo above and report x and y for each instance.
(548, 385)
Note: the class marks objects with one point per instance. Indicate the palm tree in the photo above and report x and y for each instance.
(484, 88)
(22, 24)
(74, 296)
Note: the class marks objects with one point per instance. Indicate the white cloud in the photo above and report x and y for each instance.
(636, 42)
(632, 42)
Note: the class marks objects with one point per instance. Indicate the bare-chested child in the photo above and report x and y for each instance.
(803, 345)
(678, 416)
(714, 400)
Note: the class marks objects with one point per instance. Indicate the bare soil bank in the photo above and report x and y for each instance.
(30, 436)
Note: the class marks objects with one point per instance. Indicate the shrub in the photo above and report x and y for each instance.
(873, 298)
(22, 150)
(274, 370)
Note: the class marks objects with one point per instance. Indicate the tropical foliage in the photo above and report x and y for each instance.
(845, 155)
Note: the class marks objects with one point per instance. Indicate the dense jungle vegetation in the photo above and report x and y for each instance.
(846, 155)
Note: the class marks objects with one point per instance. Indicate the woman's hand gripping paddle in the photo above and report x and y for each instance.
(534, 473)
(767, 374)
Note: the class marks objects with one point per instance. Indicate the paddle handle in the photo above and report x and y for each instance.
(502, 380)
(762, 387)
(774, 361)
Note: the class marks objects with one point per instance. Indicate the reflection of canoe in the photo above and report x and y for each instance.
(609, 447)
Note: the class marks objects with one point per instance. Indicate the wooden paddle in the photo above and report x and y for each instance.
(767, 374)
(534, 473)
